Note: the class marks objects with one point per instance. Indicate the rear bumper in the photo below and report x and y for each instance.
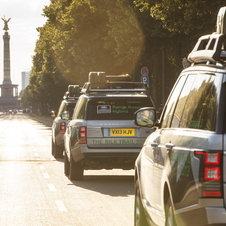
(106, 158)
(211, 216)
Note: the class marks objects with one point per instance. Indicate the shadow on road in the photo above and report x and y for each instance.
(113, 185)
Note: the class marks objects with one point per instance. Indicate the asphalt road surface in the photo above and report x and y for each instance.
(35, 192)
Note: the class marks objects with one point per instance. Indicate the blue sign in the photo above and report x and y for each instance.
(144, 79)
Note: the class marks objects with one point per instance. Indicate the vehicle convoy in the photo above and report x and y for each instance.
(62, 118)
(180, 173)
(101, 134)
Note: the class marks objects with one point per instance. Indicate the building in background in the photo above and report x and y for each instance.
(25, 76)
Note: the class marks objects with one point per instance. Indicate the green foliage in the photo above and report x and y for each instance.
(115, 36)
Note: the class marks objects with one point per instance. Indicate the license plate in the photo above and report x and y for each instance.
(122, 132)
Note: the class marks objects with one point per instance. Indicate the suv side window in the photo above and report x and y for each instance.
(79, 112)
(172, 103)
(182, 100)
(197, 104)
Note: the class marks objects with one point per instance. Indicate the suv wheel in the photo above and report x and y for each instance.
(139, 215)
(170, 220)
(57, 152)
(66, 165)
(76, 170)
(52, 147)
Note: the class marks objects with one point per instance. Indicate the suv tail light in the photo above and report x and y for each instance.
(82, 135)
(63, 127)
(212, 171)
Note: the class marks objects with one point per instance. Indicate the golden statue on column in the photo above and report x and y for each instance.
(6, 28)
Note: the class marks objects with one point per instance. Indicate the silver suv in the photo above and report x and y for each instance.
(101, 134)
(62, 118)
(180, 173)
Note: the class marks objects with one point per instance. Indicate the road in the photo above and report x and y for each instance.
(35, 192)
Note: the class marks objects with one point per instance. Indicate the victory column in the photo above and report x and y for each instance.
(9, 92)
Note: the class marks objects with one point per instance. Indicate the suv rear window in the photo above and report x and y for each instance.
(115, 108)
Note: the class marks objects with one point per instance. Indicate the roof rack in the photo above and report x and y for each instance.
(73, 91)
(208, 48)
(211, 48)
(101, 83)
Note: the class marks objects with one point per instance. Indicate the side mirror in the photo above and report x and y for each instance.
(65, 115)
(52, 113)
(145, 117)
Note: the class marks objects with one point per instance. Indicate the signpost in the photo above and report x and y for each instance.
(144, 75)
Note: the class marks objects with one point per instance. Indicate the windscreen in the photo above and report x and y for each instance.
(116, 108)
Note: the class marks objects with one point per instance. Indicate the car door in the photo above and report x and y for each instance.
(153, 160)
(190, 123)
(159, 155)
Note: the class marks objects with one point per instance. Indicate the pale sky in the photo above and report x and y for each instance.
(25, 18)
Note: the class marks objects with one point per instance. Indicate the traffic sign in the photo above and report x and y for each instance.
(144, 71)
(144, 79)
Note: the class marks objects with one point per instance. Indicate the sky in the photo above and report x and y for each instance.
(26, 16)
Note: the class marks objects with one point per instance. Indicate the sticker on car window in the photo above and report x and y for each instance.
(103, 109)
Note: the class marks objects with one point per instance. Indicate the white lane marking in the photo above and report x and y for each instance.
(60, 205)
(52, 187)
(46, 175)
(42, 167)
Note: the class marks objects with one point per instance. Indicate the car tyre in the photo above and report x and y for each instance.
(76, 170)
(66, 165)
(52, 148)
(169, 212)
(139, 215)
(57, 152)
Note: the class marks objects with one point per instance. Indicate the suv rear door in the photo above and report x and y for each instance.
(188, 126)
(110, 122)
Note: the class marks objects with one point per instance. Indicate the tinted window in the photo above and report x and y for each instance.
(115, 108)
(197, 104)
(168, 112)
